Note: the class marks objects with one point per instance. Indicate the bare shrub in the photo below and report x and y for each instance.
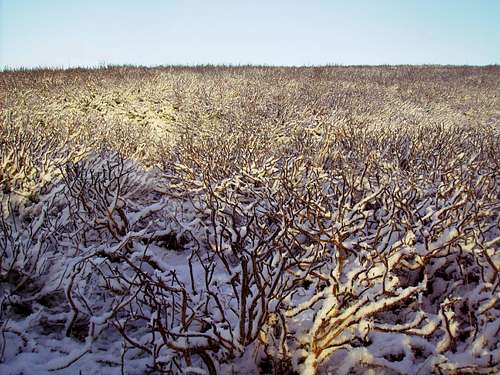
(200, 220)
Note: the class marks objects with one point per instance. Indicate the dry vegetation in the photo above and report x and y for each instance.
(245, 220)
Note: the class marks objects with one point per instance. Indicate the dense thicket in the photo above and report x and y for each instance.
(200, 220)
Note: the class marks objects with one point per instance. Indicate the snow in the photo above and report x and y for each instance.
(362, 284)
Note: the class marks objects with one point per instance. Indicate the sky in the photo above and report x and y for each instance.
(65, 33)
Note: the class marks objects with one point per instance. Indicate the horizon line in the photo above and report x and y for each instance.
(102, 66)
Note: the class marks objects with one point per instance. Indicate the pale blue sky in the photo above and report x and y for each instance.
(89, 32)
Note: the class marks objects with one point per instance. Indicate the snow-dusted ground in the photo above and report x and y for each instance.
(250, 220)
(116, 269)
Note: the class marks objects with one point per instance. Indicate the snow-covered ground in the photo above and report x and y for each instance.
(339, 248)
(119, 269)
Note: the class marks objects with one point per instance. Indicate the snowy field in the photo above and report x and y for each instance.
(250, 220)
